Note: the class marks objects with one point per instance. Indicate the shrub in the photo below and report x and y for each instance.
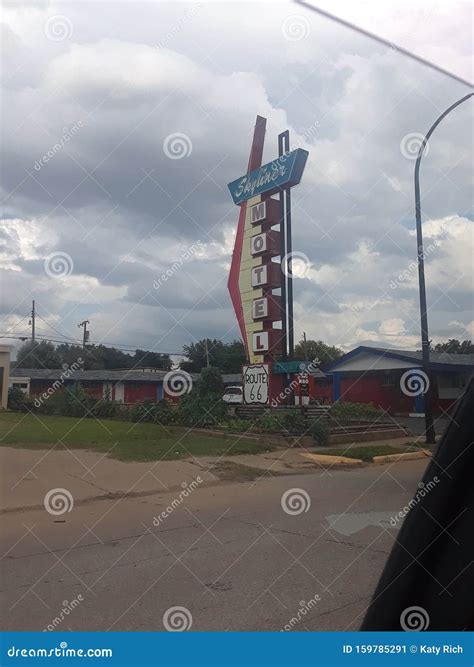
(105, 408)
(204, 406)
(238, 425)
(201, 411)
(164, 412)
(143, 411)
(282, 421)
(294, 421)
(343, 411)
(210, 382)
(18, 400)
(319, 430)
(77, 402)
(150, 411)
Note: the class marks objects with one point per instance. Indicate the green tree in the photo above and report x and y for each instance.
(40, 354)
(151, 360)
(210, 382)
(227, 357)
(454, 346)
(69, 354)
(204, 406)
(316, 349)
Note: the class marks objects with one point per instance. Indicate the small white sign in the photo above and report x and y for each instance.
(258, 244)
(255, 381)
(258, 212)
(259, 275)
(260, 342)
(260, 308)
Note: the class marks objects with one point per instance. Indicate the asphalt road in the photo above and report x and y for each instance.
(229, 555)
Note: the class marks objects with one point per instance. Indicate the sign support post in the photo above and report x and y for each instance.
(265, 318)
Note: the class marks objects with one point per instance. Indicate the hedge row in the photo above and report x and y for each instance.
(197, 409)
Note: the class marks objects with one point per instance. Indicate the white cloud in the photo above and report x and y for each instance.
(124, 212)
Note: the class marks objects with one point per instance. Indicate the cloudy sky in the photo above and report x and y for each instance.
(124, 121)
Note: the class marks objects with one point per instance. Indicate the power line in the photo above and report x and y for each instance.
(108, 345)
(54, 329)
(17, 324)
(385, 42)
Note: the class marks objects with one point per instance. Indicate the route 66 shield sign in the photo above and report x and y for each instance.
(255, 380)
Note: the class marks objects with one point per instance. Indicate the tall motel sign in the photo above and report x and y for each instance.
(261, 288)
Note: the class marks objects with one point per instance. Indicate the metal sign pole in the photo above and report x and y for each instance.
(284, 147)
(283, 253)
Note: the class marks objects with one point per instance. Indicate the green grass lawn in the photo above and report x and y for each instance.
(367, 452)
(123, 440)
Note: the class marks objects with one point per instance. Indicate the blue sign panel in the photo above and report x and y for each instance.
(282, 173)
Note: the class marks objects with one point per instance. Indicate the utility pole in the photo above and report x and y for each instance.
(425, 341)
(207, 355)
(85, 335)
(304, 346)
(33, 315)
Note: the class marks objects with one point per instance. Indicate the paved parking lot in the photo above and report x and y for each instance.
(301, 551)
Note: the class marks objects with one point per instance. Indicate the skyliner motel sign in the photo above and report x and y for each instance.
(262, 234)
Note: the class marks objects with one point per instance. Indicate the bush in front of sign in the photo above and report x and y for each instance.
(238, 425)
(211, 382)
(159, 412)
(18, 400)
(319, 430)
(345, 411)
(283, 422)
(204, 405)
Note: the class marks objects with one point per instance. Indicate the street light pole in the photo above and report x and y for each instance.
(425, 342)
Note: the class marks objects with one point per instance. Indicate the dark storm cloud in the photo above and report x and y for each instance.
(90, 168)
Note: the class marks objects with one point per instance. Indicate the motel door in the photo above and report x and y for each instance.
(119, 392)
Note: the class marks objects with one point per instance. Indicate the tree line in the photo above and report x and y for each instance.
(227, 357)
(43, 354)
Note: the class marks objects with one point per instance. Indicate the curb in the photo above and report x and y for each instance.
(327, 459)
(406, 456)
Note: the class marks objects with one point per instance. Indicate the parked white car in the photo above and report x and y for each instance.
(233, 395)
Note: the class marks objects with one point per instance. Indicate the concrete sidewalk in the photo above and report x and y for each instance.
(28, 475)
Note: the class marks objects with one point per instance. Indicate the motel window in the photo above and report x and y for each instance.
(452, 381)
(323, 382)
(388, 379)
